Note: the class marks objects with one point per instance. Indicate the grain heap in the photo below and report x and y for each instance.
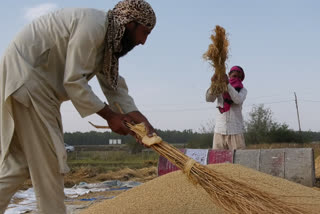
(173, 193)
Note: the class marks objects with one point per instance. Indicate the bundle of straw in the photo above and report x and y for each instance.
(228, 194)
(217, 54)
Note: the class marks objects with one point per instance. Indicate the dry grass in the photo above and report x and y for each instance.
(217, 54)
(93, 175)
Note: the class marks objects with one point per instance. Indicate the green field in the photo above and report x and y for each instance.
(114, 158)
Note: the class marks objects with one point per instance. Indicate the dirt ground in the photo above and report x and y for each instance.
(92, 175)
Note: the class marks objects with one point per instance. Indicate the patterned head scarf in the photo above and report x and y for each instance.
(123, 13)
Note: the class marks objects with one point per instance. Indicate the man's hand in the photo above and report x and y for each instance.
(139, 118)
(117, 122)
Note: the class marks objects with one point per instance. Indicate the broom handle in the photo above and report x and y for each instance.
(99, 127)
(118, 107)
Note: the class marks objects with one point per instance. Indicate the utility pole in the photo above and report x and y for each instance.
(296, 100)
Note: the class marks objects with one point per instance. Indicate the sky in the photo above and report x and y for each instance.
(276, 42)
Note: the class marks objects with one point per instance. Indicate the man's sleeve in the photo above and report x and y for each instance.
(86, 36)
(237, 97)
(120, 96)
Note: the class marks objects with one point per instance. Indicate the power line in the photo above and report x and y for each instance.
(276, 102)
(204, 108)
(311, 101)
(179, 110)
(176, 107)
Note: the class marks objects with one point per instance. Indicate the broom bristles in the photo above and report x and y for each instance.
(231, 195)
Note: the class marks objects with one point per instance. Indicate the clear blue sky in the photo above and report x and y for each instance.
(276, 42)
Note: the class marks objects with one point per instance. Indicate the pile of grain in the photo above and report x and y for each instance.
(173, 193)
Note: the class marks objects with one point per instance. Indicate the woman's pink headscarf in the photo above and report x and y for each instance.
(239, 69)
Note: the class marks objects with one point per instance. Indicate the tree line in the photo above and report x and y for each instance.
(102, 138)
(259, 128)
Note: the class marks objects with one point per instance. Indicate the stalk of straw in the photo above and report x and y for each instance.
(107, 127)
(217, 54)
(99, 127)
(230, 195)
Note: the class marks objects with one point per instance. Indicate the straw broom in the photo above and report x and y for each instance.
(230, 195)
(217, 54)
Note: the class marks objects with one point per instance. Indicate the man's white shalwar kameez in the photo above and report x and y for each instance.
(49, 62)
